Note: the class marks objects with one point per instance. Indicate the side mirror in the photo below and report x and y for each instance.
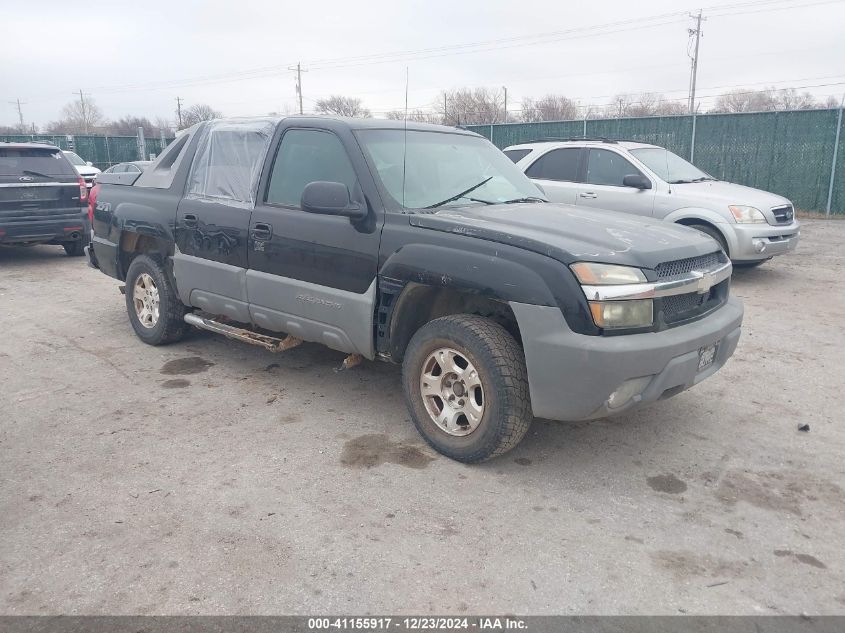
(89, 163)
(637, 181)
(330, 198)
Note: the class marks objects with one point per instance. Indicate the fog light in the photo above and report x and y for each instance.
(759, 246)
(626, 391)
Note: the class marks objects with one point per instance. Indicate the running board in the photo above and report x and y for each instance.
(240, 334)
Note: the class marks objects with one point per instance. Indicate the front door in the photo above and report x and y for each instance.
(602, 186)
(314, 276)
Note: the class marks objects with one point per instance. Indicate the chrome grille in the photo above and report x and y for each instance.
(784, 214)
(684, 266)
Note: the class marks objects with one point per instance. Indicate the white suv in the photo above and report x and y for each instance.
(751, 225)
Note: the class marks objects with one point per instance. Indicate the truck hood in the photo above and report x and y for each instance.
(568, 233)
(716, 193)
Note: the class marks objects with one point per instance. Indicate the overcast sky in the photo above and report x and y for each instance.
(136, 57)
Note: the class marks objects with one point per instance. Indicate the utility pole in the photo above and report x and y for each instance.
(20, 114)
(694, 70)
(298, 70)
(84, 115)
(179, 111)
(505, 88)
(299, 85)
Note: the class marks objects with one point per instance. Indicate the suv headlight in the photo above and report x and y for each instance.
(628, 313)
(592, 274)
(747, 215)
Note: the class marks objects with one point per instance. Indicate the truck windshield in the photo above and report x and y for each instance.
(670, 167)
(436, 167)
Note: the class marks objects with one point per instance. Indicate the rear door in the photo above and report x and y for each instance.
(37, 184)
(212, 220)
(314, 276)
(556, 172)
(603, 189)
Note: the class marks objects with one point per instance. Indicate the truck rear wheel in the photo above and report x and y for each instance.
(155, 311)
(466, 387)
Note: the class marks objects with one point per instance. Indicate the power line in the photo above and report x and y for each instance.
(465, 48)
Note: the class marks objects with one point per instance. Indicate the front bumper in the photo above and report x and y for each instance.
(571, 376)
(755, 242)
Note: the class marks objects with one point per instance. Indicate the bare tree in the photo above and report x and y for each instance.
(342, 106)
(549, 108)
(741, 100)
(791, 99)
(128, 126)
(417, 115)
(199, 112)
(640, 105)
(470, 106)
(78, 117)
(161, 123)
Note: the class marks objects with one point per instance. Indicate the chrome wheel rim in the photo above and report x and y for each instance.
(451, 391)
(146, 300)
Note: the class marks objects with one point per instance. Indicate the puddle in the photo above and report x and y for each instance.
(184, 366)
(367, 451)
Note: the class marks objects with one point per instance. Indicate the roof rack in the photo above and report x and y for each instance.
(552, 139)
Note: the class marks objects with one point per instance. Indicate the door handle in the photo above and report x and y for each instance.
(189, 219)
(588, 194)
(262, 231)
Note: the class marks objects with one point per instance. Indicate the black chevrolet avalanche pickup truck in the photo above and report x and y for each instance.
(421, 245)
(43, 200)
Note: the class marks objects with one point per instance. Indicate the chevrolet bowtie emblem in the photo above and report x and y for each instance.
(705, 281)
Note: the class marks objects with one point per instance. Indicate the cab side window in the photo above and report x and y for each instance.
(559, 164)
(307, 156)
(228, 161)
(608, 168)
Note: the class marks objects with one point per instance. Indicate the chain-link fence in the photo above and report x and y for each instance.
(103, 151)
(788, 153)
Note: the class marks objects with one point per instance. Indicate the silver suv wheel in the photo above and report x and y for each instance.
(146, 300)
(452, 392)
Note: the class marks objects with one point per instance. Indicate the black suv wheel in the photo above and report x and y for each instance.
(155, 311)
(466, 386)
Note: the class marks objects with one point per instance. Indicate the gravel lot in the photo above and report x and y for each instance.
(213, 477)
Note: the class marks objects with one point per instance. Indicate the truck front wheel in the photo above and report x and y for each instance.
(155, 311)
(466, 387)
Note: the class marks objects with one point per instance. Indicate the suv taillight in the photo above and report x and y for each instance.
(83, 190)
(92, 200)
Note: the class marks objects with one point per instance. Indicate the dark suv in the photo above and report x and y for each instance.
(43, 200)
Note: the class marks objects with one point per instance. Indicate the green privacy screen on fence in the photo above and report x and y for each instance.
(103, 151)
(789, 153)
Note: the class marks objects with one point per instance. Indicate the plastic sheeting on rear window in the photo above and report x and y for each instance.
(228, 161)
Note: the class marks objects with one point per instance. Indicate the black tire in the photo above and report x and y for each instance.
(170, 326)
(714, 233)
(75, 249)
(750, 264)
(500, 364)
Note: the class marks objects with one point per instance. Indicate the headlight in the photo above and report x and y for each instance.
(592, 274)
(631, 313)
(747, 215)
